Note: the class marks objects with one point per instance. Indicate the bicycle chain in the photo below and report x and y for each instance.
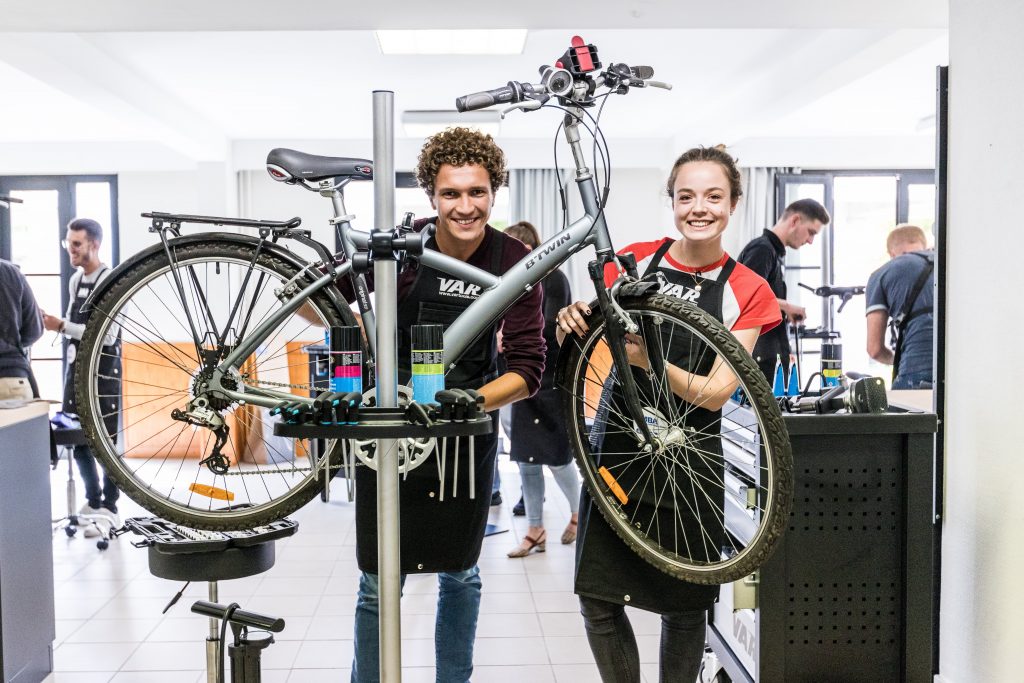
(284, 385)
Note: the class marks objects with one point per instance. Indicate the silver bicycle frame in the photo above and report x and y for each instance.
(499, 292)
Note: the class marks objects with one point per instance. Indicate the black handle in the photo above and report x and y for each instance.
(239, 616)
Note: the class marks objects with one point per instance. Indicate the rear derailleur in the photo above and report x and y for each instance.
(200, 415)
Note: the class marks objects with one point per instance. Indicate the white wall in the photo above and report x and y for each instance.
(139, 192)
(983, 531)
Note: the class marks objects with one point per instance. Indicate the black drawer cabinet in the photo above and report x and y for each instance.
(848, 595)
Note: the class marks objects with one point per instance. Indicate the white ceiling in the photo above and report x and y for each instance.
(196, 81)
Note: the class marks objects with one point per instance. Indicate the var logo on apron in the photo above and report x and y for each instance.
(457, 288)
(680, 292)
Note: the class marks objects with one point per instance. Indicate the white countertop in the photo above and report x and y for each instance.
(9, 416)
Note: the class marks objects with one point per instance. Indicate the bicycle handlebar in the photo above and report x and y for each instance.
(573, 83)
(509, 94)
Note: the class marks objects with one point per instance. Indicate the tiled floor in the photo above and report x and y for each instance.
(110, 627)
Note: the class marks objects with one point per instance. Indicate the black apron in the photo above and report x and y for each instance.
(109, 383)
(539, 435)
(605, 566)
(436, 535)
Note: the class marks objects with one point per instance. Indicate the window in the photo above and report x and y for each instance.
(865, 206)
(30, 235)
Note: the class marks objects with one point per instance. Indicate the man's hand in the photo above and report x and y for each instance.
(52, 323)
(795, 313)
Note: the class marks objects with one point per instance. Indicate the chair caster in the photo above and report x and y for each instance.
(103, 544)
(70, 531)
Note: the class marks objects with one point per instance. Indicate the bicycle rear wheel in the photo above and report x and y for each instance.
(156, 459)
(709, 503)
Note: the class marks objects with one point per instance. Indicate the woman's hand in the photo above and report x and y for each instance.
(571, 320)
(636, 352)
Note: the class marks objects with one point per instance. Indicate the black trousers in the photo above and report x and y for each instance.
(613, 643)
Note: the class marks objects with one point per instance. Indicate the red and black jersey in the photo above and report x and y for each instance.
(747, 302)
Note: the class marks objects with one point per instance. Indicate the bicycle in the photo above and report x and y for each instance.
(221, 313)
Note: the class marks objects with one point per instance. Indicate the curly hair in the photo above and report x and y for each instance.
(716, 154)
(459, 147)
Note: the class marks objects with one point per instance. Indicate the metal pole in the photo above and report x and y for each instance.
(213, 639)
(385, 272)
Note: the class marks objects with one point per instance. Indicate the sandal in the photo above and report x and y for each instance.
(530, 544)
(569, 535)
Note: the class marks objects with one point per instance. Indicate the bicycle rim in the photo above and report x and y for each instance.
(710, 502)
(155, 459)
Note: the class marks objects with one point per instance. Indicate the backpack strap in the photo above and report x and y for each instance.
(898, 324)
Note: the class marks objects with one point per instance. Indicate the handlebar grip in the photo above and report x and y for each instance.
(239, 616)
(487, 98)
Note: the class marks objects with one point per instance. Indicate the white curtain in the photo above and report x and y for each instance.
(534, 197)
(756, 210)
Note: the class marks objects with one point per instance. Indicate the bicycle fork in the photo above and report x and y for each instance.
(617, 326)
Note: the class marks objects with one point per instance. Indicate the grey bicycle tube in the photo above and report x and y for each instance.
(519, 279)
(253, 340)
(350, 243)
(385, 277)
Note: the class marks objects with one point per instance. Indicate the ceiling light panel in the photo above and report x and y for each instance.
(456, 42)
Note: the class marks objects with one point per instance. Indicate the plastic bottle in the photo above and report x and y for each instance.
(779, 387)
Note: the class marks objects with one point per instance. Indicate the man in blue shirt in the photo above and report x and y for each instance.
(888, 301)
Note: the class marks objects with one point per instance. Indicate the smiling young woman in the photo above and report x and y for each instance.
(704, 186)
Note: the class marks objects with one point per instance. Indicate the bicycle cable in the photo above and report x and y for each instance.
(601, 147)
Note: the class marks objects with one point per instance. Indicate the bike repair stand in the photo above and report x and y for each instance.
(386, 422)
(181, 554)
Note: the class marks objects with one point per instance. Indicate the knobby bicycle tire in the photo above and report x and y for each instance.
(155, 459)
(725, 507)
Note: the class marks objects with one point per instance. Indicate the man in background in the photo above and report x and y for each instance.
(21, 325)
(798, 225)
(82, 241)
(900, 296)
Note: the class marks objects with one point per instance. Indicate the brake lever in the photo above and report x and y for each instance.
(658, 84)
(525, 105)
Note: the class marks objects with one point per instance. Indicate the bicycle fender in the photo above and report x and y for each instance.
(270, 247)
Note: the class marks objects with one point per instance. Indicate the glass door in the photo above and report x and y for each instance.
(30, 235)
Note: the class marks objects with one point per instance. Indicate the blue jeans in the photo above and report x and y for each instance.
(614, 646)
(912, 381)
(533, 489)
(458, 606)
(96, 497)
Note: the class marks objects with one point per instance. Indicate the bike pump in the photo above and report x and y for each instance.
(385, 274)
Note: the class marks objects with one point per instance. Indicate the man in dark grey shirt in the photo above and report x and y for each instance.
(888, 291)
(21, 325)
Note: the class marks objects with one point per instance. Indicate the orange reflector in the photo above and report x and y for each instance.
(211, 491)
(613, 485)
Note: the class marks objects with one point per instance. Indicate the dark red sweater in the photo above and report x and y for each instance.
(523, 323)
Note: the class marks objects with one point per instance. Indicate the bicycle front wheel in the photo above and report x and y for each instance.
(710, 501)
(227, 290)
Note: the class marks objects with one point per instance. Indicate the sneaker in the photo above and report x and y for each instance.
(495, 498)
(90, 510)
(113, 518)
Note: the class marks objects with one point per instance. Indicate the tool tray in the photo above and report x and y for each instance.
(170, 538)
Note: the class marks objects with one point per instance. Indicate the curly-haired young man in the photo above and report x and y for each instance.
(460, 170)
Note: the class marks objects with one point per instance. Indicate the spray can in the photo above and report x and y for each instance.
(831, 362)
(346, 359)
(427, 362)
